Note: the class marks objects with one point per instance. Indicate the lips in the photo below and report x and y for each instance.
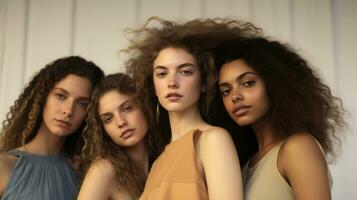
(63, 123)
(127, 133)
(173, 96)
(240, 110)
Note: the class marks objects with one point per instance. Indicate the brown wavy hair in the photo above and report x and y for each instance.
(148, 41)
(25, 116)
(98, 143)
(300, 101)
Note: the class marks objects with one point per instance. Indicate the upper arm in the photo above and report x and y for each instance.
(221, 165)
(98, 181)
(7, 163)
(305, 168)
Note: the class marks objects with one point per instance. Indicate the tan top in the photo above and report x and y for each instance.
(175, 175)
(264, 181)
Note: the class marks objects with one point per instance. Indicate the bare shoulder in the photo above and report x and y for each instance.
(103, 167)
(302, 163)
(215, 137)
(99, 182)
(301, 150)
(7, 164)
(301, 143)
(215, 132)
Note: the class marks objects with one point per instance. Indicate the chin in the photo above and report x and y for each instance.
(242, 122)
(62, 133)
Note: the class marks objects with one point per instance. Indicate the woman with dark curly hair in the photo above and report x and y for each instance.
(266, 86)
(42, 132)
(172, 66)
(118, 142)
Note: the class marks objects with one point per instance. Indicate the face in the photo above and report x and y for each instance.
(177, 80)
(65, 107)
(243, 92)
(122, 118)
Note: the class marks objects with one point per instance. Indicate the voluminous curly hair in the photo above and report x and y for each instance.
(148, 41)
(98, 143)
(25, 116)
(299, 100)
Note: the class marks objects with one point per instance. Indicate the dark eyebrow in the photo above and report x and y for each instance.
(240, 77)
(179, 66)
(125, 102)
(62, 90)
(120, 106)
(67, 93)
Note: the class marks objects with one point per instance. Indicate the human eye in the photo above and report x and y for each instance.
(248, 83)
(60, 96)
(83, 103)
(161, 74)
(128, 108)
(186, 72)
(225, 91)
(107, 119)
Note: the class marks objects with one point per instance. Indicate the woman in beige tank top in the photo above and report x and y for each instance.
(200, 161)
(268, 87)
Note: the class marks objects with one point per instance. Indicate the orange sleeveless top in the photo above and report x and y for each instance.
(175, 175)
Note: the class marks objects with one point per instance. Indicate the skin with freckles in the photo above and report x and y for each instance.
(117, 147)
(49, 115)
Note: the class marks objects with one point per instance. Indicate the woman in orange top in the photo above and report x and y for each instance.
(178, 75)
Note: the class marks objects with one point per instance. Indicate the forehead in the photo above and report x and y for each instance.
(113, 95)
(172, 56)
(75, 85)
(230, 71)
(112, 98)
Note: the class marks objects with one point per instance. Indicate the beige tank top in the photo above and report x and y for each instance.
(175, 175)
(264, 181)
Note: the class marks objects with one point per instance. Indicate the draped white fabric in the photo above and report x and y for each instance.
(35, 32)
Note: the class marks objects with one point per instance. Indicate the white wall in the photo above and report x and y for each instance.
(35, 32)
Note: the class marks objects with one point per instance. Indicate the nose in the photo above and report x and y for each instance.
(121, 121)
(67, 109)
(237, 97)
(173, 82)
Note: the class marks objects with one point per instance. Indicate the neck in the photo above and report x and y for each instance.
(184, 121)
(264, 133)
(139, 154)
(45, 143)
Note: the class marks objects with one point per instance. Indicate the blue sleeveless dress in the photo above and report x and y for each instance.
(37, 177)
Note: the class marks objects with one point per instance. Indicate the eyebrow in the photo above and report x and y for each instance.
(120, 106)
(240, 77)
(65, 91)
(179, 66)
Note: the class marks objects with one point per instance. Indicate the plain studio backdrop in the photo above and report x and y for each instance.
(35, 32)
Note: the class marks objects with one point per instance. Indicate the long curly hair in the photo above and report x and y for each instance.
(98, 144)
(148, 41)
(300, 101)
(25, 116)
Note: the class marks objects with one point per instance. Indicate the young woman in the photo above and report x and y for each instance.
(268, 87)
(42, 132)
(117, 140)
(178, 75)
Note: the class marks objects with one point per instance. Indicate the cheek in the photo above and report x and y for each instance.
(109, 129)
(140, 120)
(81, 114)
(194, 85)
(227, 103)
(262, 100)
(158, 86)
